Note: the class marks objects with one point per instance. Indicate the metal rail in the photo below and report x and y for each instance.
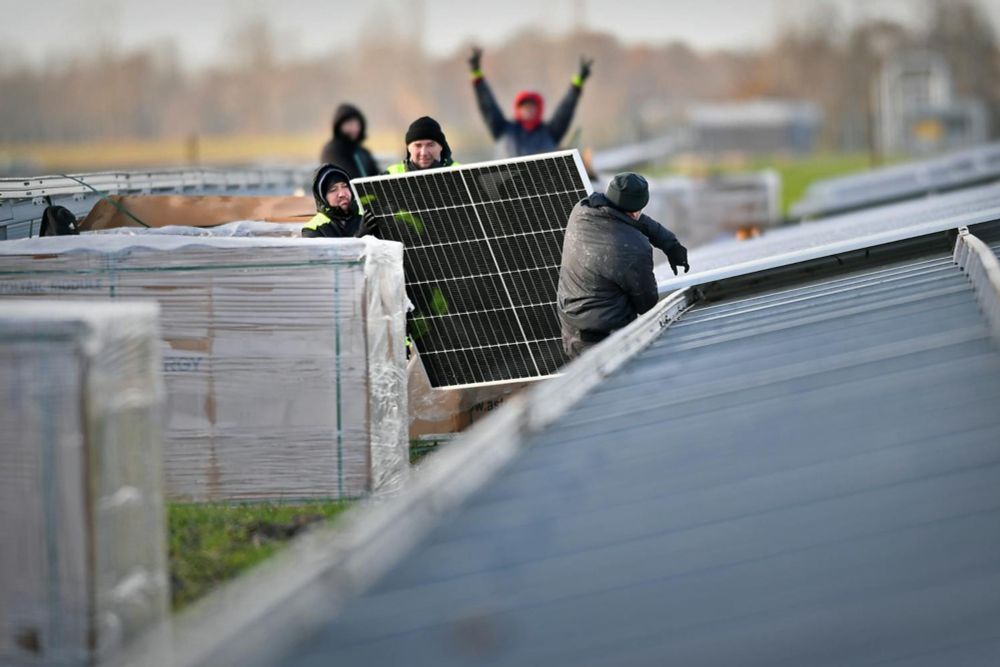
(979, 263)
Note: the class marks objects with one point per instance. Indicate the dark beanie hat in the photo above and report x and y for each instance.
(330, 175)
(425, 127)
(628, 192)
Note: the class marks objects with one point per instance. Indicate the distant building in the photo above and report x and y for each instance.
(918, 112)
(760, 126)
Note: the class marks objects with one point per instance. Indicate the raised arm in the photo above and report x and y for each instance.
(488, 107)
(563, 116)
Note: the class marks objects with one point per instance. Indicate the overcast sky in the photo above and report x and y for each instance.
(51, 30)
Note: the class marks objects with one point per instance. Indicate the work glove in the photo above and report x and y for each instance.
(475, 59)
(678, 256)
(585, 65)
(369, 223)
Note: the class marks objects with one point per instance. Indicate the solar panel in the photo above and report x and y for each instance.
(835, 235)
(483, 246)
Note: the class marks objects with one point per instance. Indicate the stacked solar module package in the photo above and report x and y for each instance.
(284, 359)
(239, 228)
(83, 564)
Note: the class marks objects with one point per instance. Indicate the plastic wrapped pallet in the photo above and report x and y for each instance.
(238, 229)
(83, 563)
(284, 359)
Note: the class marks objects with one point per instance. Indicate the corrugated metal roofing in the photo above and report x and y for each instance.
(807, 475)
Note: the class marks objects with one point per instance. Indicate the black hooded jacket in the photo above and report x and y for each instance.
(349, 155)
(606, 277)
(332, 221)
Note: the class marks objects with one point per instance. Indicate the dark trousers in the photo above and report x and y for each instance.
(576, 343)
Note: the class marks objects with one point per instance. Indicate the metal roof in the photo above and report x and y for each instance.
(801, 469)
(898, 182)
(805, 475)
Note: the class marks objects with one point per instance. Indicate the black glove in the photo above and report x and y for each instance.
(369, 223)
(585, 65)
(474, 58)
(678, 256)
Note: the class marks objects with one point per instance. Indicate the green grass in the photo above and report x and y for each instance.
(210, 543)
(797, 173)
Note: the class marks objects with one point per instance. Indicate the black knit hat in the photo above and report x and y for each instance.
(330, 176)
(425, 127)
(628, 192)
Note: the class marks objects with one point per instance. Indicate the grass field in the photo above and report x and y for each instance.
(210, 543)
(797, 173)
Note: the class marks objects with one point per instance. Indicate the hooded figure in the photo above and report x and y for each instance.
(344, 150)
(606, 274)
(528, 133)
(426, 147)
(337, 214)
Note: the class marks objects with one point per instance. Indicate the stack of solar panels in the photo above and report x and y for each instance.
(83, 563)
(837, 234)
(483, 248)
(284, 359)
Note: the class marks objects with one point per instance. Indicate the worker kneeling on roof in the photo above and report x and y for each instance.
(337, 213)
(606, 277)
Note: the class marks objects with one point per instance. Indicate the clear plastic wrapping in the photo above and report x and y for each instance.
(233, 229)
(83, 568)
(284, 359)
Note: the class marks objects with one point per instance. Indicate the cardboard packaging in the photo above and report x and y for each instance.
(194, 211)
(83, 566)
(436, 414)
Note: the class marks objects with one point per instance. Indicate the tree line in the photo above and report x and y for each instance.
(637, 91)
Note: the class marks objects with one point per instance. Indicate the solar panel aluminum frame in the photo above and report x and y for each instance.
(496, 259)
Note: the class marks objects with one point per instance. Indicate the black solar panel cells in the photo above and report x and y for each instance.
(483, 246)
(533, 287)
(548, 354)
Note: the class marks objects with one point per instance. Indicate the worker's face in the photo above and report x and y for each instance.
(339, 195)
(351, 128)
(527, 111)
(635, 215)
(424, 152)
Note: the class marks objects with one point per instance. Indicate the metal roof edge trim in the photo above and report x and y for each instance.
(981, 266)
(550, 400)
(323, 570)
(830, 249)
